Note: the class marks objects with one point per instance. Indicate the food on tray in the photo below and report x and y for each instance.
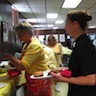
(38, 73)
(63, 72)
(55, 71)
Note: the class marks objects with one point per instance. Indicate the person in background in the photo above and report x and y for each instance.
(44, 40)
(82, 62)
(50, 58)
(32, 59)
(94, 42)
(57, 49)
(51, 63)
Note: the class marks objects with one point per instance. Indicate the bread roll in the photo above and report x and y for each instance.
(38, 73)
(55, 71)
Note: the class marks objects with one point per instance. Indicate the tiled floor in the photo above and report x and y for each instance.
(63, 89)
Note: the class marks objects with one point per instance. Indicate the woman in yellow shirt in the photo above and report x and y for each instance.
(32, 59)
(57, 49)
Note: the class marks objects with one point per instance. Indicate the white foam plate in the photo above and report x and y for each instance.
(6, 65)
(45, 75)
(3, 84)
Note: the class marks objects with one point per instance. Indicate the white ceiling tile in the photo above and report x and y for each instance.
(36, 3)
(38, 10)
(52, 3)
(41, 20)
(28, 15)
(53, 10)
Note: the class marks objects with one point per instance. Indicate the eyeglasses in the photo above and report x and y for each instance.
(19, 35)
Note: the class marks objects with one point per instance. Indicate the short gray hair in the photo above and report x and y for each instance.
(23, 27)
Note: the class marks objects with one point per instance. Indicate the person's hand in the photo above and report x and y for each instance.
(57, 77)
(7, 56)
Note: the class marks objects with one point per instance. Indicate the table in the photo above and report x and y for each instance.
(12, 83)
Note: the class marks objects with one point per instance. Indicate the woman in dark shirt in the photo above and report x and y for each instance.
(82, 62)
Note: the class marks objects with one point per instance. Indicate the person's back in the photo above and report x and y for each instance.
(50, 58)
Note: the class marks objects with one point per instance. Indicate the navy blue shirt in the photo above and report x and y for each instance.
(82, 62)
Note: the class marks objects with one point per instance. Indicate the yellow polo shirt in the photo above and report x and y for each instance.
(57, 48)
(34, 57)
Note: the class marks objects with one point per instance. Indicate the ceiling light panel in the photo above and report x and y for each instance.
(32, 20)
(92, 27)
(35, 25)
(23, 9)
(41, 28)
(52, 15)
(55, 27)
(59, 21)
(49, 25)
(71, 3)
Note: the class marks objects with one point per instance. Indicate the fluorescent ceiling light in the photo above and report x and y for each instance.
(59, 21)
(92, 27)
(52, 15)
(42, 25)
(55, 27)
(50, 25)
(35, 25)
(39, 28)
(71, 3)
(39, 25)
(32, 20)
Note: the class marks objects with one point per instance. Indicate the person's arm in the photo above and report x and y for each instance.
(16, 62)
(88, 80)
